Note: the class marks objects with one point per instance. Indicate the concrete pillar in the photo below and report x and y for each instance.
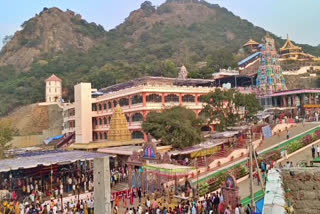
(102, 191)
(144, 99)
(212, 128)
(163, 99)
(83, 112)
(196, 99)
(180, 99)
(309, 99)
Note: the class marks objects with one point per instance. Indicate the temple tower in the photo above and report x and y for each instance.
(183, 74)
(118, 126)
(53, 89)
(269, 75)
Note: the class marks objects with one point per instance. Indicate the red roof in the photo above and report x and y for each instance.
(53, 78)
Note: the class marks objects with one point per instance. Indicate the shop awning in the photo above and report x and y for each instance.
(202, 146)
(225, 134)
(47, 159)
(168, 168)
(121, 150)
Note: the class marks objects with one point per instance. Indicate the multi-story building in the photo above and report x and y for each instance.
(90, 115)
(53, 89)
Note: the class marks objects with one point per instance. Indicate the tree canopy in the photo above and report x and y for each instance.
(6, 133)
(225, 106)
(176, 126)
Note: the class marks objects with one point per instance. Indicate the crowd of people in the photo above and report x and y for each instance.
(84, 206)
(211, 204)
(118, 174)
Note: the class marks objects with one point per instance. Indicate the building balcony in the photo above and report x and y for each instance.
(68, 118)
(135, 125)
(68, 129)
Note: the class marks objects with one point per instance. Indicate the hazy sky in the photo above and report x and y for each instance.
(299, 18)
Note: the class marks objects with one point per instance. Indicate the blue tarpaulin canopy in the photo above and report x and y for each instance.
(47, 159)
(52, 138)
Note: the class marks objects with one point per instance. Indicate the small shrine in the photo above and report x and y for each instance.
(251, 45)
(230, 192)
(118, 126)
(183, 74)
(149, 170)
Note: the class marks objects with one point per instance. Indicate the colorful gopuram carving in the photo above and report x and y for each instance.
(269, 75)
(118, 126)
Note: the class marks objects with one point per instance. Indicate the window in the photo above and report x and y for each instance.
(172, 98)
(137, 117)
(188, 99)
(109, 120)
(105, 121)
(127, 117)
(100, 135)
(95, 136)
(137, 135)
(105, 135)
(104, 106)
(94, 107)
(124, 102)
(100, 121)
(95, 122)
(154, 98)
(136, 99)
(115, 103)
(100, 107)
(109, 105)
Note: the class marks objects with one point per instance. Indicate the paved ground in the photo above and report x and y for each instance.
(266, 144)
(305, 155)
(293, 132)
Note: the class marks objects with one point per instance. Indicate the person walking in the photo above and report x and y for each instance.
(313, 150)
(288, 134)
(318, 150)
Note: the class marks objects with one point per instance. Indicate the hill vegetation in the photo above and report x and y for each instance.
(151, 41)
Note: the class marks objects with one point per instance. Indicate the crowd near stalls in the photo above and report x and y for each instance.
(31, 179)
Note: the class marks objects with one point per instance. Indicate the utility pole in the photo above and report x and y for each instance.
(259, 174)
(251, 174)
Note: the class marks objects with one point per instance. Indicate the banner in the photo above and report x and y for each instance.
(266, 131)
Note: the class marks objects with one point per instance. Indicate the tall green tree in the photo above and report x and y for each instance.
(176, 126)
(6, 133)
(225, 107)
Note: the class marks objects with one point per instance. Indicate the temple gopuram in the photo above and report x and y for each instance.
(269, 75)
(291, 57)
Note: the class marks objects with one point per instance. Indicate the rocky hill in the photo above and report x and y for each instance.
(151, 41)
(50, 32)
(34, 119)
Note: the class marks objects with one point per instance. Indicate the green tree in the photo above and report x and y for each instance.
(176, 126)
(225, 107)
(6, 133)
